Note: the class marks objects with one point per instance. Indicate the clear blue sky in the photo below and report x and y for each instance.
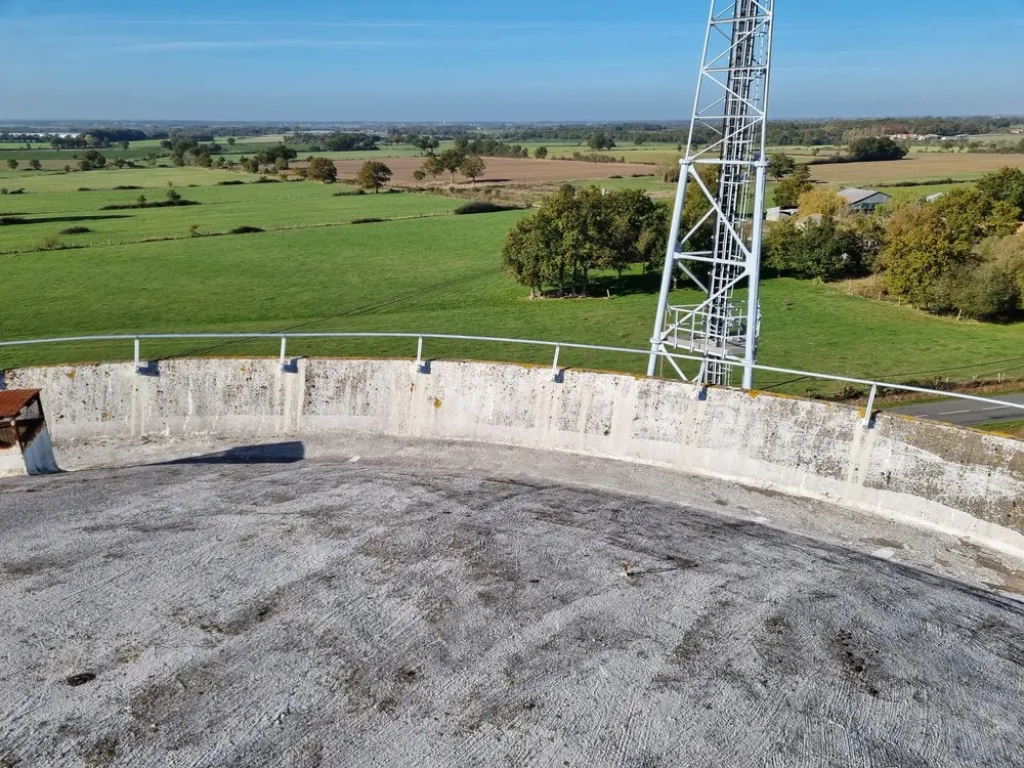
(463, 61)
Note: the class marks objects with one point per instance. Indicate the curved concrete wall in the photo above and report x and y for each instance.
(956, 480)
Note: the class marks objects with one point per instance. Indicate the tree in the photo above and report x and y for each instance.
(432, 167)
(824, 201)
(540, 153)
(1006, 185)
(322, 169)
(373, 175)
(473, 168)
(91, 160)
(787, 193)
(968, 216)
(874, 148)
(419, 174)
(823, 250)
(34, 164)
(930, 246)
(600, 141)
(231, 141)
(985, 293)
(527, 254)
(780, 165)
(450, 161)
(12, 163)
(1007, 253)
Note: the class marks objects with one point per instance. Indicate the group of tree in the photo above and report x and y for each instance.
(958, 255)
(578, 231)
(347, 142)
(425, 144)
(599, 142)
(454, 162)
(794, 180)
(489, 147)
(274, 157)
(98, 138)
(868, 150)
(91, 160)
(33, 164)
(934, 256)
(187, 150)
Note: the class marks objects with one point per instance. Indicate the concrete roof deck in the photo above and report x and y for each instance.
(410, 603)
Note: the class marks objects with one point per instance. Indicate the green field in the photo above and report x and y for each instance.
(315, 270)
(279, 205)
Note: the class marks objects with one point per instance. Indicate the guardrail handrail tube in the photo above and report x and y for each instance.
(556, 345)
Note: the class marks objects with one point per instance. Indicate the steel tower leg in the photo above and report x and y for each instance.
(731, 107)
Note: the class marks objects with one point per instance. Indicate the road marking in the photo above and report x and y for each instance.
(953, 413)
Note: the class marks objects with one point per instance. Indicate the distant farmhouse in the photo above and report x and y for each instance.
(858, 201)
(864, 200)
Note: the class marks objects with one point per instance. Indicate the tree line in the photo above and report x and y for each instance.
(336, 142)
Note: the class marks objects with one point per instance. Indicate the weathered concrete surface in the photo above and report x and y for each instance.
(951, 479)
(391, 610)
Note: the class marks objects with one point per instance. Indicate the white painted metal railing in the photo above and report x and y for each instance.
(557, 346)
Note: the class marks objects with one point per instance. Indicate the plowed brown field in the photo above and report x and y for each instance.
(914, 166)
(506, 171)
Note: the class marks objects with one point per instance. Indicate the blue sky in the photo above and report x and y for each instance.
(463, 61)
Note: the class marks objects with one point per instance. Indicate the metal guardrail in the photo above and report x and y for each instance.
(558, 346)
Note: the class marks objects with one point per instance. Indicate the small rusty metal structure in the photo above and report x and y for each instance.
(25, 446)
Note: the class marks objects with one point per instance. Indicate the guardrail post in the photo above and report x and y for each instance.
(421, 366)
(284, 348)
(556, 375)
(871, 406)
(137, 367)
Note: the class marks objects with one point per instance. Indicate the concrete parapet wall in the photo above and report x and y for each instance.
(953, 479)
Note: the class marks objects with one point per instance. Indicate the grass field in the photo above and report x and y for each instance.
(222, 208)
(314, 270)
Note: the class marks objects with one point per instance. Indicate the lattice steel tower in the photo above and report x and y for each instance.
(732, 106)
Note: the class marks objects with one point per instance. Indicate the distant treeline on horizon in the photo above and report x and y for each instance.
(803, 132)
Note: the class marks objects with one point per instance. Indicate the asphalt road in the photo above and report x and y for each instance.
(966, 413)
(386, 611)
